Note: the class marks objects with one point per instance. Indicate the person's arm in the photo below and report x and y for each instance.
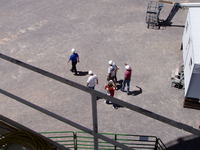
(105, 87)
(117, 67)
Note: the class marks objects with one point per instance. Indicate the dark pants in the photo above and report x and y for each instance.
(74, 67)
(126, 82)
(91, 87)
(115, 79)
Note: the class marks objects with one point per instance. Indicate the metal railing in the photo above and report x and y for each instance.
(82, 141)
(94, 95)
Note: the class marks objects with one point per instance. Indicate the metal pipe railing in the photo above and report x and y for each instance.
(189, 5)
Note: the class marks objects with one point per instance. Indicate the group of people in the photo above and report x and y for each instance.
(112, 81)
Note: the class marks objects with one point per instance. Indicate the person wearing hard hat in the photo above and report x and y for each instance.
(92, 80)
(127, 79)
(111, 71)
(110, 89)
(116, 68)
(74, 58)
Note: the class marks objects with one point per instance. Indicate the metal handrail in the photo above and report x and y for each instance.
(88, 144)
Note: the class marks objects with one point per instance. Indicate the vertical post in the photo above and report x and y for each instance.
(116, 141)
(75, 140)
(95, 121)
(156, 144)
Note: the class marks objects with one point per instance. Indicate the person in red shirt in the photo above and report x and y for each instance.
(127, 79)
(110, 88)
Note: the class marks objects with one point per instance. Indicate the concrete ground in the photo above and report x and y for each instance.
(42, 33)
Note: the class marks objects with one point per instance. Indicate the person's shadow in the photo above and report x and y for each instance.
(82, 73)
(136, 92)
(119, 84)
(110, 103)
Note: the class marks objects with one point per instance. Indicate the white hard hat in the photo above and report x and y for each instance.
(73, 50)
(90, 72)
(128, 67)
(110, 62)
(110, 82)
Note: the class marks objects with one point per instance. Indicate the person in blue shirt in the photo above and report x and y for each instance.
(74, 58)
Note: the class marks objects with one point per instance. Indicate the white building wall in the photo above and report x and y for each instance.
(191, 46)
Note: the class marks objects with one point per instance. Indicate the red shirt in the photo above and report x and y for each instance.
(127, 74)
(110, 90)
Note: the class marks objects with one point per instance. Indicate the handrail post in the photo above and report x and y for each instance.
(75, 140)
(95, 121)
(116, 141)
(156, 144)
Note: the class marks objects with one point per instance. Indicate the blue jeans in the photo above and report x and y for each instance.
(126, 82)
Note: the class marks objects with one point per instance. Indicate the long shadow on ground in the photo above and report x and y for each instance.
(136, 92)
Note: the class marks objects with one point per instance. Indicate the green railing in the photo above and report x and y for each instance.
(80, 140)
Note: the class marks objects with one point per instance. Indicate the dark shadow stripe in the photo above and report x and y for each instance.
(140, 110)
(60, 118)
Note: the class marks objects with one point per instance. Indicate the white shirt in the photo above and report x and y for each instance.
(111, 71)
(92, 81)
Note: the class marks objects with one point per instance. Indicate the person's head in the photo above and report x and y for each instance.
(90, 72)
(127, 67)
(110, 83)
(73, 50)
(110, 62)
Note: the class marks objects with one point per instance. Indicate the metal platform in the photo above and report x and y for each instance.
(152, 14)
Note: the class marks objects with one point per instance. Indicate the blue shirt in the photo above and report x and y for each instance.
(73, 57)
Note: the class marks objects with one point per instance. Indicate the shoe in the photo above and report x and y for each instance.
(98, 98)
(122, 90)
(71, 70)
(107, 102)
(115, 107)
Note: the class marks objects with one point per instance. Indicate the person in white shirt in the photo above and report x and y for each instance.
(92, 80)
(111, 71)
(116, 68)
